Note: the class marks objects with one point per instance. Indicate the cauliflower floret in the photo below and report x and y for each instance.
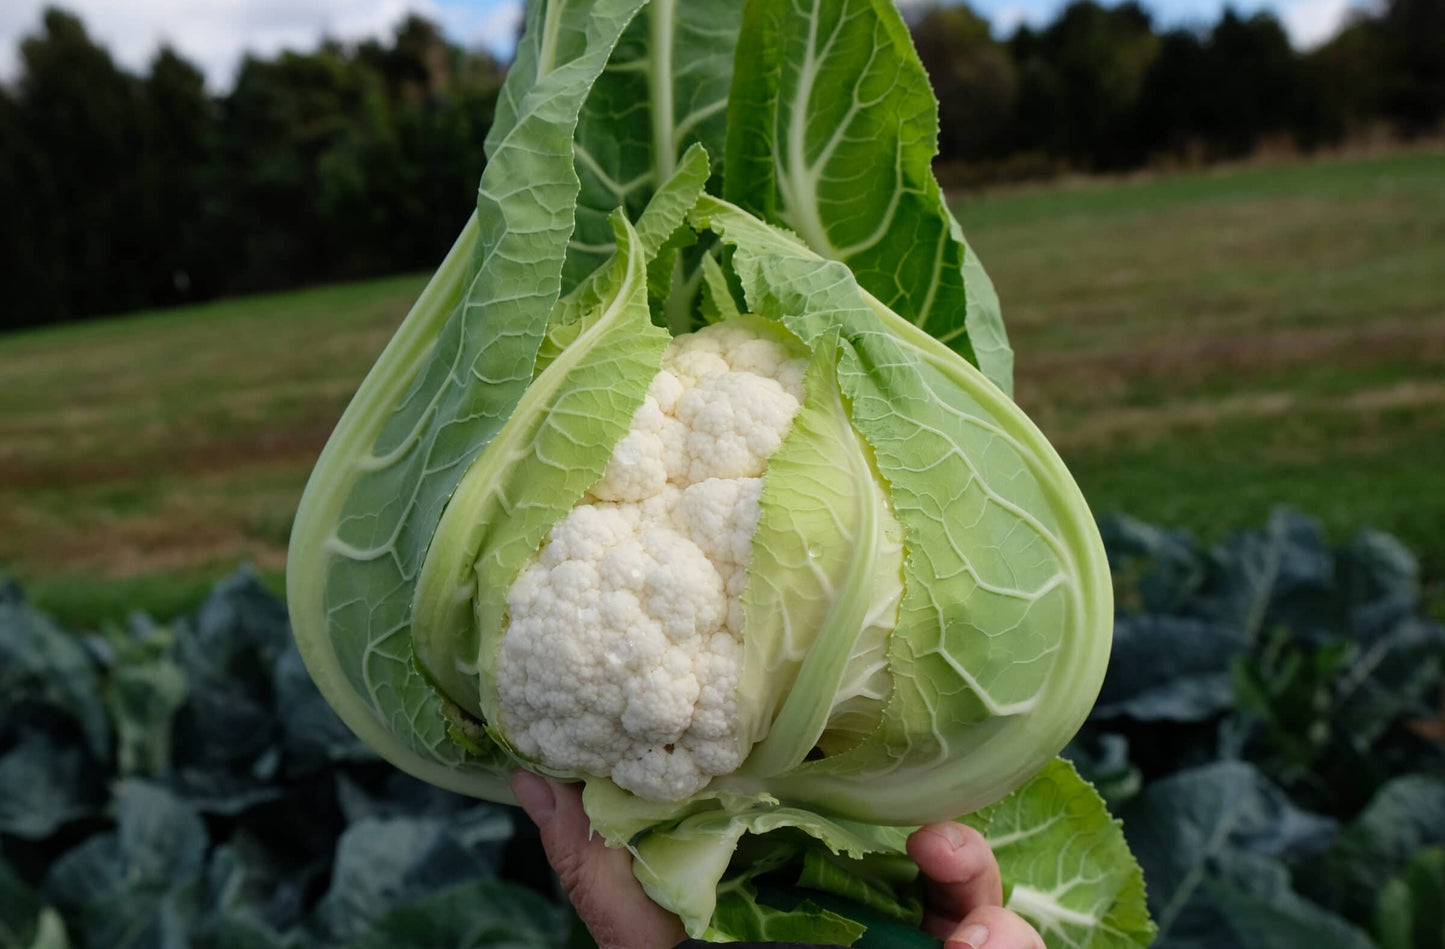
(735, 421)
(720, 515)
(624, 645)
(635, 471)
(665, 390)
(790, 377)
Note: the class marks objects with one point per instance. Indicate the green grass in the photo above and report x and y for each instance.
(89, 601)
(144, 456)
(1201, 348)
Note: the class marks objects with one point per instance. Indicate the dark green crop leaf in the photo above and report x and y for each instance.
(47, 784)
(248, 901)
(313, 737)
(227, 734)
(134, 888)
(143, 699)
(1375, 567)
(1203, 834)
(20, 908)
(401, 795)
(1169, 668)
(41, 663)
(1280, 576)
(214, 791)
(382, 863)
(1405, 816)
(241, 627)
(1102, 759)
(229, 719)
(470, 915)
(1394, 673)
(1155, 570)
(1411, 910)
(222, 727)
(1258, 910)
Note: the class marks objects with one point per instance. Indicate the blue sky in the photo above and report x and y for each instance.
(216, 33)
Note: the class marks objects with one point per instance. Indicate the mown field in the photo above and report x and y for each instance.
(1200, 348)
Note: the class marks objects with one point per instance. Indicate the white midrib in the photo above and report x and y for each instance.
(447, 583)
(660, 25)
(659, 80)
(1046, 909)
(999, 841)
(551, 26)
(798, 186)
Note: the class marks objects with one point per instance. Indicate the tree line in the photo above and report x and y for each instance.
(121, 191)
(1100, 89)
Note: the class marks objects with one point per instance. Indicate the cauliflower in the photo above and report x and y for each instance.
(535, 537)
(624, 645)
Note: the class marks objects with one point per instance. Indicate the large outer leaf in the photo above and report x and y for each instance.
(441, 390)
(554, 447)
(680, 865)
(824, 583)
(1001, 545)
(832, 129)
(1069, 871)
(665, 88)
(556, 444)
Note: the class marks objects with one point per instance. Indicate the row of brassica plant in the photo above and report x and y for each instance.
(1269, 731)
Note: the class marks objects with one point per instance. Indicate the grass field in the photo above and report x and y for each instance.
(1200, 348)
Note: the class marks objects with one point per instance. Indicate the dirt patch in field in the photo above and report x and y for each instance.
(1133, 423)
(216, 501)
(1184, 361)
(134, 546)
(261, 449)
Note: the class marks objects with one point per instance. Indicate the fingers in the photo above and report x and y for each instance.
(993, 927)
(597, 878)
(965, 891)
(962, 874)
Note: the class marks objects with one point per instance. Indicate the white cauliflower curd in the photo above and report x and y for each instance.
(624, 645)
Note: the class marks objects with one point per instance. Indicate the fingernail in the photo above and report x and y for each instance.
(535, 795)
(954, 834)
(972, 936)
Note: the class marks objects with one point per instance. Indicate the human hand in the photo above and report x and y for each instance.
(598, 878)
(964, 889)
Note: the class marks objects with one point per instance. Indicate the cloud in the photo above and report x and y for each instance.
(1312, 22)
(500, 26)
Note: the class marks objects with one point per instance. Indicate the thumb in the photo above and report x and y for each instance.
(598, 879)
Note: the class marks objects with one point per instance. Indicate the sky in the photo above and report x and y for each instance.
(215, 34)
